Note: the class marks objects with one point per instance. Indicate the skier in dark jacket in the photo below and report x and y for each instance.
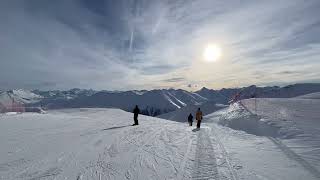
(190, 119)
(136, 112)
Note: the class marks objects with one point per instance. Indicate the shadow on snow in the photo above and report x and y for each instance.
(116, 127)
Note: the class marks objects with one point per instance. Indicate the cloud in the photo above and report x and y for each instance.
(132, 44)
(179, 79)
(290, 72)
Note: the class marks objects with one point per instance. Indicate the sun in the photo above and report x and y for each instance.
(212, 53)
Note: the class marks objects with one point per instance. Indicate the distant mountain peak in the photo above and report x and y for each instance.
(204, 89)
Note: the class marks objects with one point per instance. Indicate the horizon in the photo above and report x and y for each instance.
(138, 44)
(199, 89)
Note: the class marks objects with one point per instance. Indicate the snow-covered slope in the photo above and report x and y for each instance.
(100, 144)
(315, 95)
(292, 124)
(181, 115)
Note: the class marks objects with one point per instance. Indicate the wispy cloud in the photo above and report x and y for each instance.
(135, 44)
(178, 79)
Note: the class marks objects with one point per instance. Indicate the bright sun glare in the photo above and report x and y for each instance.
(212, 53)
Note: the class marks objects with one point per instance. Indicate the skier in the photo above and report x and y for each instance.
(198, 117)
(136, 112)
(190, 119)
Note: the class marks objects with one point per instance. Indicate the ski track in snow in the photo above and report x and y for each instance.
(225, 156)
(185, 159)
(196, 161)
(205, 160)
(140, 157)
(143, 142)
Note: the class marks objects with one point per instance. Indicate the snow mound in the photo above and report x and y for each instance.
(239, 118)
(287, 118)
(11, 113)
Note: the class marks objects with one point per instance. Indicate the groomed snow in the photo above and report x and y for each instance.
(100, 144)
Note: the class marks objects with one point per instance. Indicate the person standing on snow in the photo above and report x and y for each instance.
(198, 117)
(136, 112)
(190, 119)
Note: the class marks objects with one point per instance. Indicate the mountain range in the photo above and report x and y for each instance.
(151, 102)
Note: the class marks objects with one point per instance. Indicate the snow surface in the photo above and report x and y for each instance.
(100, 144)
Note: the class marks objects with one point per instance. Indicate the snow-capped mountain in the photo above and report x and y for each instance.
(153, 102)
(219, 96)
(19, 95)
(70, 94)
(181, 114)
(224, 95)
(15, 100)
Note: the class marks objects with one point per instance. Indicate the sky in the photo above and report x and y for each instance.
(152, 44)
